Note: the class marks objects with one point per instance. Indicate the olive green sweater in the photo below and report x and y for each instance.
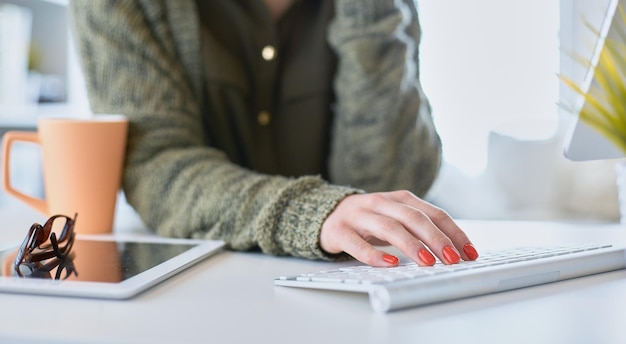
(196, 165)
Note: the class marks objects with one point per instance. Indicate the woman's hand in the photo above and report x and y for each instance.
(397, 218)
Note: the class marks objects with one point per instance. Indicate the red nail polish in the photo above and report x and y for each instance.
(426, 257)
(393, 260)
(470, 251)
(450, 254)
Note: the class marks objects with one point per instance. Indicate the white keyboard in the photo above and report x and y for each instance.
(409, 285)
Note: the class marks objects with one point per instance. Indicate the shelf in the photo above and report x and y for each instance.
(48, 46)
(51, 36)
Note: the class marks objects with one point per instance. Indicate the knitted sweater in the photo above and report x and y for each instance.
(143, 59)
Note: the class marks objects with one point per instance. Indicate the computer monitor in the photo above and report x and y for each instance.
(583, 142)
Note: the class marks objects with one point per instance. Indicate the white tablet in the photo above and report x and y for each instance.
(109, 267)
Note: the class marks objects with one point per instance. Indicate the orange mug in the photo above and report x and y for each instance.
(82, 161)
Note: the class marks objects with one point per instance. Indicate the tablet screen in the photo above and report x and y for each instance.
(102, 260)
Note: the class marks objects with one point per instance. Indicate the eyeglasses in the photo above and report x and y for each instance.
(41, 270)
(36, 256)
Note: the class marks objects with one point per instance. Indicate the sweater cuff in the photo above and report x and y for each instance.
(301, 222)
(361, 13)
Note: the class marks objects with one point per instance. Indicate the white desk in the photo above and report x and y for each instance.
(232, 296)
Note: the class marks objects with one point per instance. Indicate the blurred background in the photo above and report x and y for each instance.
(489, 67)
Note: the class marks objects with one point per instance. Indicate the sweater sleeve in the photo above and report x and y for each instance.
(133, 61)
(384, 137)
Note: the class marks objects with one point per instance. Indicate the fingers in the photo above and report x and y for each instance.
(391, 231)
(441, 232)
(340, 234)
(397, 218)
(364, 252)
(414, 223)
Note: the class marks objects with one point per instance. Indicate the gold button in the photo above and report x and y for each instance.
(264, 118)
(268, 53)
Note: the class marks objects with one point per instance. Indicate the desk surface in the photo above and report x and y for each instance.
(230, 298)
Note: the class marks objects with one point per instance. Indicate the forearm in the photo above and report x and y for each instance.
(191, 193)
(384, 137)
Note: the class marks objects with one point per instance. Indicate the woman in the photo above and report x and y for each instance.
(273, 124)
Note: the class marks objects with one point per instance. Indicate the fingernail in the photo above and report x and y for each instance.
(393, 260)
(470, 251)
(452, 257)
(426, 257)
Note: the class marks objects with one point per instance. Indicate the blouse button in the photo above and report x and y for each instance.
(264, 118)
(268, 53)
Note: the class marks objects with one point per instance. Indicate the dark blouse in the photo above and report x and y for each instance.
(268, 84)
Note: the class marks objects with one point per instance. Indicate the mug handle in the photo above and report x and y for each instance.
(8, 138)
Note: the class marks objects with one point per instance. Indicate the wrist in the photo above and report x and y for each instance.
(300, 223)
